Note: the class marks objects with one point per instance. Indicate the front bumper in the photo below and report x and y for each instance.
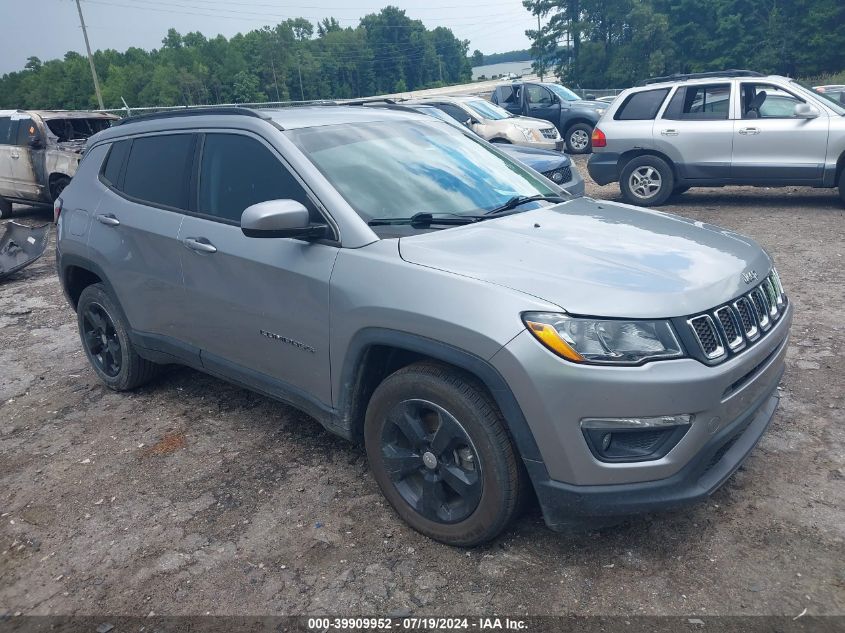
(564, 505)
(556, 395)
(603, 167)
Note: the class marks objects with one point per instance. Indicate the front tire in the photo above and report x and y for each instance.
(105, 339)
(647, 181)
(439, 450)
(579, 139)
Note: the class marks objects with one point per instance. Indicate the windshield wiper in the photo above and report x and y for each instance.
(425, 219)
(516, 201)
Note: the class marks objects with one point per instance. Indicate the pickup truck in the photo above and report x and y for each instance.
(574, 117)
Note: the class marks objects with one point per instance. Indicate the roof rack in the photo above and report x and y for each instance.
(720, 73)
(194, 111)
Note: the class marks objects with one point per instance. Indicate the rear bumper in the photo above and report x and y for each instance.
(603, 167)
(564, 504)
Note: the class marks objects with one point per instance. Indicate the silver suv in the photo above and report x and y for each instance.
(417, 291)
(716, 129)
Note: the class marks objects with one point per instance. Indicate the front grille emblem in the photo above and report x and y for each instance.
(749, 276)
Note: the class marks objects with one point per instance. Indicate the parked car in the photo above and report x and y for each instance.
(39, 152)
(573, 116)
(555, 166)
(417, 291)
(717, 129)
(495, 124)
(835, 92)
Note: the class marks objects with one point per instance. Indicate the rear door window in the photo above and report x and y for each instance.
(238, 171)
(158, 170)
(709, 102)
(641, 106)
(27, 132)
(505, 94)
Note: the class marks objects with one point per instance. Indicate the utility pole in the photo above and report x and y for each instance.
(440, 63)
(542, 62)
(301, 91)
(90, 58)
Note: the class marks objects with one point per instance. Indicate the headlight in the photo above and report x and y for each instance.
(603, 341)
(530, 134)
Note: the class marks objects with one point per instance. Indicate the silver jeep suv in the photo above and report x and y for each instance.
(417, 291)
(715, 129)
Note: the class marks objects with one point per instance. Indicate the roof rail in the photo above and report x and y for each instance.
(364, 101)
(716, 74)
(191, 111)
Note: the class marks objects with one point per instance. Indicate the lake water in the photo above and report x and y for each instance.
(518, 68)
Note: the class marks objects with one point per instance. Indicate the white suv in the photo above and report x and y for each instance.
(715, 129)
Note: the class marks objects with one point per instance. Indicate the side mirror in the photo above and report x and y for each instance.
(590, 97)
(35, 142)
(804, 111)
(280, 218)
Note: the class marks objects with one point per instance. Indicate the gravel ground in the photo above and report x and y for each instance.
(191, 496)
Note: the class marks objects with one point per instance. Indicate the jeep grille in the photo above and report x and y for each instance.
(729, 328)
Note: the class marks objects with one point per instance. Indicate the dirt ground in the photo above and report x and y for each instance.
(191, 496)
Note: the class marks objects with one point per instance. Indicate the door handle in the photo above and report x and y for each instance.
(749, 130)
(669, 132)
(108, 219)
(200, 244)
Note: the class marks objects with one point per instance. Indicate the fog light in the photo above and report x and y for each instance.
(634, 439)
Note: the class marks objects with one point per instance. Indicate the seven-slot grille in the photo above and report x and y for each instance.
(549, 132)
(733, 326)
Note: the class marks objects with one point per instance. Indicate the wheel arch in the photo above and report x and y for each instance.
(375, 353)
(627, 157)
(569, 123)
(77, 273)
(52, 179)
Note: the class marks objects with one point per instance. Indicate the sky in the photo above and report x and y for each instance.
(48, 29)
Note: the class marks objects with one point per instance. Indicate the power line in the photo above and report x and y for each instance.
(254, 16)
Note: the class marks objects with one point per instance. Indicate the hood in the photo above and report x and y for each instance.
(598, 258)
(527, 121)
(591, 104)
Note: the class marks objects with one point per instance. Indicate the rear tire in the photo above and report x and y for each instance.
(57, 186)
(647, 181)
(5, 208)
(579, 139)
(439, 450)
(105, 339)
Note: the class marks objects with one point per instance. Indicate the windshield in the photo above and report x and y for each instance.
(564, 93)
(487, 110)
(76, 129)
(830, 101)
(394, 169)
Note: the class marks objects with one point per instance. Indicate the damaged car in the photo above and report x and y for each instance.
(39, 152)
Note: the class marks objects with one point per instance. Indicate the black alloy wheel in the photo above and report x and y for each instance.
(431, 461)
(101, 339)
